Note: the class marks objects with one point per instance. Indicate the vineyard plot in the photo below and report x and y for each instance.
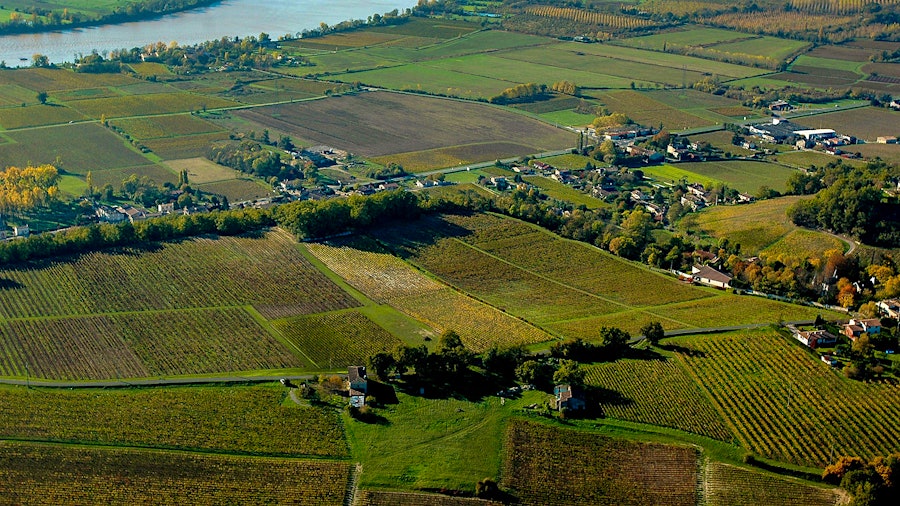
(337, 339)
(135, 345)
(549, 465)
(266, 271)
(46, 474)
(728, 485)
(234, 419)
(388, 279)
(774, 392)
(657, 392)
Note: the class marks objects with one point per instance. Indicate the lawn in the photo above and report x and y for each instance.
(744, 176)
(676, 173)
(429, 443)
(768, 47)
(754, 226)
(201, 170)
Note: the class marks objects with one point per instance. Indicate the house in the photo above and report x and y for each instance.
(744, 198)
(817, 134)
(895, 105)
(780, 105)
(388, 187)
(828, 359)
(889, 307)
(541, 165)
(568, 398)
(499, 181)
(132, 214)
(165, 208)
(818, 338)
(692, 202)
(20, 230)
(856, 327)
(886, 139)
(357, 385)
(706, 275)
(110, 215)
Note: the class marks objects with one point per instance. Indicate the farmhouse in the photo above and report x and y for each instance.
(886, 139)
(568, 398)
(706, 275)
(780, 105)
(776, 131)
(110, 215)
(132, 214)
(357, 385)
(818, 338)
(889, 307)
(856, 328)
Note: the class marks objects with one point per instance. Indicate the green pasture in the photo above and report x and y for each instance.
(754, 226)
(343, 61)
(557, 190)
(35, 114)
(807, 159)
(692, 36)
(745, 176)
(430, 27)
(829, 63)
(238, 190)
(156, 172)
(72, 185)
(83, 93)
(479, 42)
(430, 443)
(674, 61)
(570, 161)
(429, 79)
(569, 118)
(51, 80)
(769, 47)
(677, 173)
(15, 95)
(504, 67)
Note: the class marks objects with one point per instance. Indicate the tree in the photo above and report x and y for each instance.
(534, 372)
(615, 341)
(40, 60)
(381, 364)
(486, 488)
(42, 97)
(653, 332)
(569, 373)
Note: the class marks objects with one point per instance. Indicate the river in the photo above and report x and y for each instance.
(225, 19)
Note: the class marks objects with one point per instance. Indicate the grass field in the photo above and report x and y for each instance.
(744, 176)
(550, 465)
(236, 420)
(762, 225)
(557, 190)
(807, 159)
(770, 388)
(428, 444)
(42, 474)
(389, 123)
(35, 114)
(887, 152)
(675, 173)
(768, 47)
(430, 79)
(201, 170)
(694, 36)
(238, 190)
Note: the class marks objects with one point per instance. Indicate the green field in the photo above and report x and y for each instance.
(675, 173)
(744, 176)
(691, 37)
(557, 190)
(764, 227)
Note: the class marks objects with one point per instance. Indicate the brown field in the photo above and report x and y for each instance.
(77, 147)
(238, 190)
(380, 123)
(887, 152)
(419, 161)
(41, 474)
(383, 498)
(843, 53)
(879, 45)
(883, 69)
(866, 123)
(189, 146)
(549, 465)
